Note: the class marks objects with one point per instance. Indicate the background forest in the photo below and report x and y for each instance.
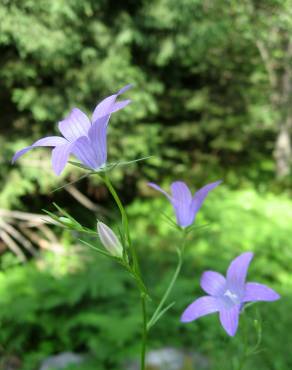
(211, 100)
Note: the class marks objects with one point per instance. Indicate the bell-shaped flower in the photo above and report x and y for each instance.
(186, 205)
(109, 240)
(227, 296)
(82, 137)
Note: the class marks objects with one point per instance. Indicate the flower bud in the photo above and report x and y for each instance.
(109, 240)
(66, 221)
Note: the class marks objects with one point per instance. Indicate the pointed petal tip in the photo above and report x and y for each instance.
(214, 184)
(179, 182)
(229, 319)
(127, 101)
(14, 158)
(187, 316)
(248, 254)
(184, 319)
(245, 256)
(125, 88)
(158, 188)
(275, 297)
(231, 333)
(120, 105)
(153, 185)
(58, 170)
(20, 153)
(109, 105)
(74, 110)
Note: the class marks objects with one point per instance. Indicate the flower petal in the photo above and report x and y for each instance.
(109, 105)
(181, 192)
(120, 105)
(85, 152)
(201, 194)
(124, 89)
(97, 136)
(229, 319)
(237, 271)
(156, 187)
(181, 201)
(213, 283)
(60, 156)
(259, 292)
(46, 141)
(200, 307)
(75, 125)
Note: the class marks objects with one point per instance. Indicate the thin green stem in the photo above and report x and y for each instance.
(135, 269)
(250, 351)
(125, 222)
(245, 344)
(242, 363)
(137, 278)
(159, 308)
(157, 313)
(144, 332)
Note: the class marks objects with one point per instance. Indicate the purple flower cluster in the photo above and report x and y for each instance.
(87, 140)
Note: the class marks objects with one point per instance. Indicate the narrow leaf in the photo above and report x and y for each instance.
(158, 317)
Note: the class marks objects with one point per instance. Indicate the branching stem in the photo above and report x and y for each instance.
(160, 308)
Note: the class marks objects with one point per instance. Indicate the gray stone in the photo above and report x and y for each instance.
(165, 359)
(172, 359)
(61, 361)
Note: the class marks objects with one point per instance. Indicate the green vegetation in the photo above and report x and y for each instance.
(202, 97)
(79, 301)
(211, 99)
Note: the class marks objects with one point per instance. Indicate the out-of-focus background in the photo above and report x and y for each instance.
(211, 100)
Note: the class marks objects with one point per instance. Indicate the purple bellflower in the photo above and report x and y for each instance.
(83, 138)
(228, 295)
(185, 205)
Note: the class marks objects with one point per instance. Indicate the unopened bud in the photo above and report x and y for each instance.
(109, 240)
(66, 221)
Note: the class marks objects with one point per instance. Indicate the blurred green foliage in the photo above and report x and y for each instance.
(82, 302)
(202, 90)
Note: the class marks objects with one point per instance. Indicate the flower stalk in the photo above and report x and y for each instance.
(144, 332)
(134, 269)
(125, 223)
(160, 310)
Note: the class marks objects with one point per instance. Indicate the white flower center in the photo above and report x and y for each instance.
(232, 296)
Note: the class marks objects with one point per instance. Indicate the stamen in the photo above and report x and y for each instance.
(233, 297)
